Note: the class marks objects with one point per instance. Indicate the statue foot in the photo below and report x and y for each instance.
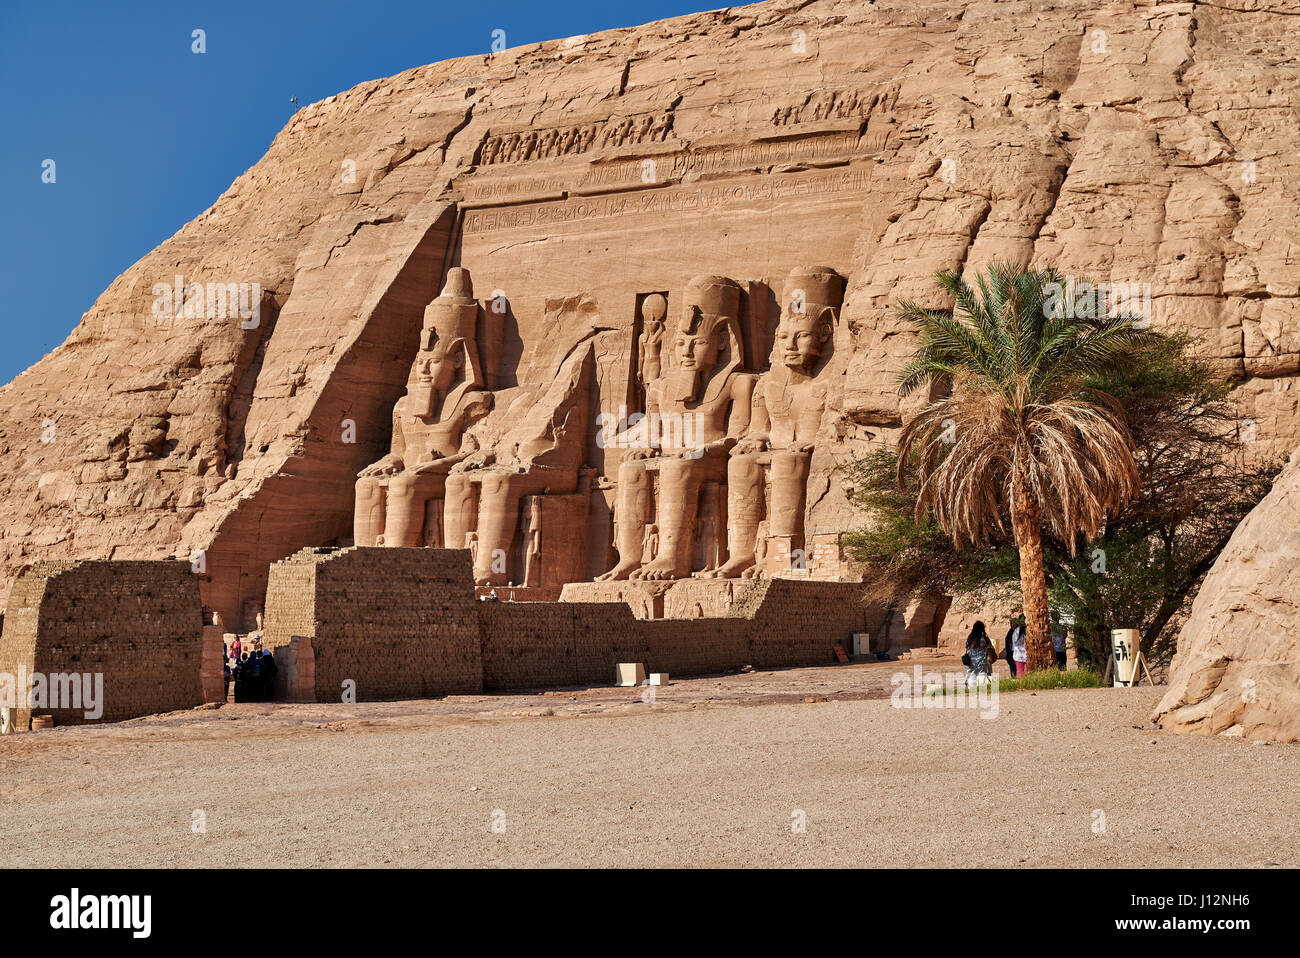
(733, 568)
(656, 571)
(620, 571)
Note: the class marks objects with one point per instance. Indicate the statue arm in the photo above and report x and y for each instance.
(760, 422)
(393, 462)
(398, 446)
(647, 431)
(743, 419)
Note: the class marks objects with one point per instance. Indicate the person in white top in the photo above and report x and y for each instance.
(1016, 641)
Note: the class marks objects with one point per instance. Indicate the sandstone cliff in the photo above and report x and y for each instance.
(1131, 142)
(1237, 671)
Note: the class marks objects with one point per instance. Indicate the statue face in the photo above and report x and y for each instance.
(698, 351)
(437, 361)
(799, 340)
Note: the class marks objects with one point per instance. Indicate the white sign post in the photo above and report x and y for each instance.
(1126, 658)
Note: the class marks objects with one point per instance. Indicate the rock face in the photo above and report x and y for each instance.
(1237, 671)
(607, 196)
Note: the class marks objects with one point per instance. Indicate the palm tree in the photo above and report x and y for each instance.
(1012, 429)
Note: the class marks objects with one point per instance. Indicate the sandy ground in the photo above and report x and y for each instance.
(716, 771)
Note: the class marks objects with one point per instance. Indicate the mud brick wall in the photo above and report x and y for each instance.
(400, 623)
(405, 623)
(138, 623)
(548, 644)
(796, 622)
(695, 646)
(777, 623)
(533, 643)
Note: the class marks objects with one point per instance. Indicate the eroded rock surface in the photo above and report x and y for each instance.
(1237, 671)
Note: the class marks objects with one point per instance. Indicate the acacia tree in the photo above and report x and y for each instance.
(1017, 431)
(1199, 480)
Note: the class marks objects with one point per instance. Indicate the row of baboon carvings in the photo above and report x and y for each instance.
(522, 146)
(711, 479)
(579, 138)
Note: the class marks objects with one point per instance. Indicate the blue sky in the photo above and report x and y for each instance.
(113, 94)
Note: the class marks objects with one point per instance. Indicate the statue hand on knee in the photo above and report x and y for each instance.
(387, 466)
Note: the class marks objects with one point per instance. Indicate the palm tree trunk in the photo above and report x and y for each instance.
(1026, 523)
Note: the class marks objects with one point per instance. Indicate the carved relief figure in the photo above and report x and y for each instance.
(696, 411)
(614, 132)
(444, 395)
(651, 547)
(788, 406)
(708, 539)
(654, 308)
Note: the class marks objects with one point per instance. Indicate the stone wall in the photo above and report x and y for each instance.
(398, 623)
(138, 624)
(405, 623)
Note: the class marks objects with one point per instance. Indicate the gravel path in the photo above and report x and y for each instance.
(715, 771)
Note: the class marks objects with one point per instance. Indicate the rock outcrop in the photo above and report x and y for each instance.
(222, 395)
(1237, 671)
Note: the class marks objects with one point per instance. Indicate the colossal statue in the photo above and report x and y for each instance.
(399, 499)
(695, 411)
(542, 455)
(777, 450)
(713, 480)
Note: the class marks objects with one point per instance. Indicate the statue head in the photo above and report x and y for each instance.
(448, 350)
(708, 335)
(653, 310)
(809, 307)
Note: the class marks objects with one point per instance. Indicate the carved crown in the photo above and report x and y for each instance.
(454, 314)
(821, 286)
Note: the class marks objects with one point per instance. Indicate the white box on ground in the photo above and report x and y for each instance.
(630, 673)
(861, 643)
(658, 678)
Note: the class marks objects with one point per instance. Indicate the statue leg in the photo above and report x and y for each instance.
(498, 519)
(789, 494)
(679, 493)
(630, 515)
(789, 491)
(368, 518)
(458, 511)
(744, 512)
(407, 494)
